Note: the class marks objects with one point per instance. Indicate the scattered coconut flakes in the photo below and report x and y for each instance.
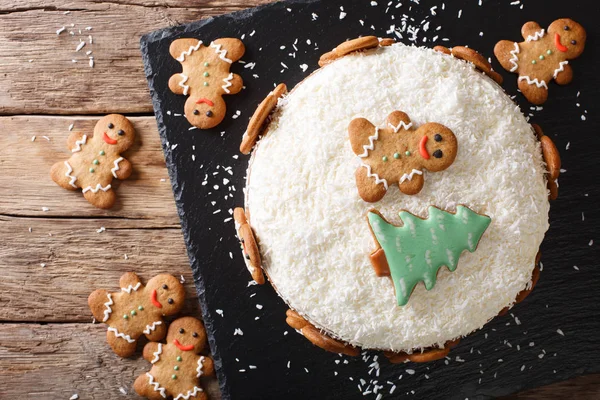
(42, 265)
(591, 242)
(71, 127)
(33, 138)
(410, 371)
(75, 396)
(45, 209)
(252, 366)
(91, 63)
(238, 331)
(61, 30)
(342, 15)
(122, 390)
(219, 311)
(304, 67)
(125, 256)
(80, 46)
(181, 279)
(259, 306)
(102, 229)
(46, 137)
(575, 267)
(560, 332)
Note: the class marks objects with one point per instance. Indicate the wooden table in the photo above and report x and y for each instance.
(53, 248)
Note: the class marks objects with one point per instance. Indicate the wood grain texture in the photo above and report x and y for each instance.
(59, 360)
(26, 186)
(53, 84)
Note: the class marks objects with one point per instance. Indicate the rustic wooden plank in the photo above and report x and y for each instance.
(52, 84)
(59, 360)
(48, 273)
(585, 387)
(26, 187)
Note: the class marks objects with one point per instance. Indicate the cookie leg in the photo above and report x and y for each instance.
(412, 186)
(536, 95)
(101, 199)
(368, 188)
(61, 173)
(502, 51)
(143, 388)
(120, 346)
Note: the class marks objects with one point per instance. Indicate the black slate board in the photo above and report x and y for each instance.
(522, 350)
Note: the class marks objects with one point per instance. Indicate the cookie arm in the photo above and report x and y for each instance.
(180, 45)
(124, 170)
(359, 132)
(529, 29)
(236, 84)
(565, 76)
(149, 350)
(96, 302)
(159, 332)
(174, 84)
(206, 366)
(73, 138)
(129, 278)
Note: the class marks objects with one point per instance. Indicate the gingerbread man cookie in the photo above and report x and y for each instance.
(137, 310)
(397, 153)
(206, 78)
(543, 56)
(176, 365)
(97, 160)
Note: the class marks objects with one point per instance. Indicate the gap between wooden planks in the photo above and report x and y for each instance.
(69, 355)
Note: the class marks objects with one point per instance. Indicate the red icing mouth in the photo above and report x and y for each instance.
(422, 148)
(205, 100)
(558, 45)
(182, 347)
(154, 300)
(108, 140)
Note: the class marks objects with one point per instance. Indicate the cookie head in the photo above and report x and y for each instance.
(187, 334)
(115, 130)
(568, 37)
(205, 112)
(166, 293)
(437, 146)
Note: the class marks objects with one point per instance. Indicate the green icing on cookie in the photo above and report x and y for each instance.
(416, 250)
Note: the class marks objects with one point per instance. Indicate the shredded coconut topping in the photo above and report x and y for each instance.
(318, 254)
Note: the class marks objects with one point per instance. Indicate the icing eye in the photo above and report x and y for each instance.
(196, 112)
(170, 301)
(165, 286)
(110, 125)
(438, 154)
(120, 132)
(181, 330)
(194, 334)
(566, 27)
(573, 41)
(437, 137)
(209, 113)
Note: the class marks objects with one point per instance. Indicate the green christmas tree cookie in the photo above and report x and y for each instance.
(417, 250)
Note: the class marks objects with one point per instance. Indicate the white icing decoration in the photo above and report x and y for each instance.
(221, 53)
(227, 83)
(108, 310)
(121, 335)
(199, 369)
(561, 68)
(371, 144)
(400, 125)
(189, 393)
(129, 288)
(372, 175)
(182, 82)
(515, 58)
(535, 81)
(152, 328)
(116, 167)
(188, 52)
(78, 143)
(157, 354)
(314, 188)
(68, 175)
(96, 189)
(410, 176)
(536, 36)
(157, 387)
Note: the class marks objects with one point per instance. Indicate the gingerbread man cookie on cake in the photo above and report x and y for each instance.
(206, 78)
(397, 154)
(543, 56)
(137, 310)
(178, 364)
(97, 160)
